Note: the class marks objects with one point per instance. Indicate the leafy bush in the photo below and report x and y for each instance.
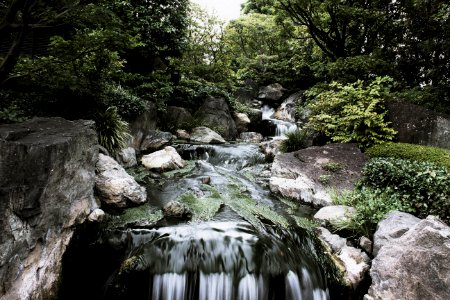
(128, 105)
(421, 185)
(111, 129)
(352, 112)
(296, 140)
(371, 205)
(435, 155)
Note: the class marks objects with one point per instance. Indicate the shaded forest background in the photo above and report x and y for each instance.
(107, 60)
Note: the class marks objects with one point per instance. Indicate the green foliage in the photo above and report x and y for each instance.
(421, 185)
(324, 179)
(111, 129)
(352, 112)
(438, 156)
(332, 166)
(296, 140)
(371, 205)
(128, 105)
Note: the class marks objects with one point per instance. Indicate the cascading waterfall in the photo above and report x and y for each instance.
(227, 257)
(282, 127)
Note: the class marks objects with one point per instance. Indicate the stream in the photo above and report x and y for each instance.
(241, 242)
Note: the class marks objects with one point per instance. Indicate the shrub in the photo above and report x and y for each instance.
(296, 140)
(435, 155)
(128, 105)
(352, 112)
(421, 185)
(111, 129)
(371, 205)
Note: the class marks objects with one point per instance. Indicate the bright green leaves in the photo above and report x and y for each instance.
(352, 112)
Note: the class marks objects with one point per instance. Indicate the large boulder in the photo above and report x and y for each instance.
(393, 226)
(155, 140)
(163, 160)
(287, 110)
(114, 186)
(242, 121)
(414, 266)
(177, 117)
(215, 113)
(205, 135)
(418, 125)
(47, 171)
(272, 92)
(142, 125)
(353, 262)
(301, 175)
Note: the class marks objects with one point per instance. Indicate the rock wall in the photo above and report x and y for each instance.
(418, 125)
(47, 175)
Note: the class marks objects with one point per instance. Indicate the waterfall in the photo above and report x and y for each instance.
(282, 127)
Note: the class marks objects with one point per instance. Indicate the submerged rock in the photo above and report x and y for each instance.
(47, 171)
(298, 175)
(354, 262)
(164, 160)
(205, 135)
(415, 265)
(115, 186)
(176, 209)
(251, 137)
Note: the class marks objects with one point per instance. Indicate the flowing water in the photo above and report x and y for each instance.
(242, 243)
(282, 127)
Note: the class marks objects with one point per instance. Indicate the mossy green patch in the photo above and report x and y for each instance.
(190, 165)
(139, 214)
(203, 208)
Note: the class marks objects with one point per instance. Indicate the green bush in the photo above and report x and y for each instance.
(352, 112)
(435, 155)
(111, 129)
(421, 185)
(296, 140)
(128, 105)
(371, 205)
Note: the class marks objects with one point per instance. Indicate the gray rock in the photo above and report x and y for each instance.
(251, 137)
(393, 226)
(176, 209)
(296, 175)
(271, 148)
(205, 135)
(178, 117)
(115, 186)
(334, 214)
(127, 157)
(97, 215)
(47, 171)
(414, 266)
(418, 125)
(287, 110)
(365, 244)
(183, 134)
(142, 125)
(242, 121)
(272, 92)
(215, 113)
(155, 140)
(353, 262)
(163, 160)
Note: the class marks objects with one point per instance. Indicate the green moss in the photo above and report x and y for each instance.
(324, 179)
(135, 214)
(413, 152)
(190, 165)
(203, 209)
(332, 166)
